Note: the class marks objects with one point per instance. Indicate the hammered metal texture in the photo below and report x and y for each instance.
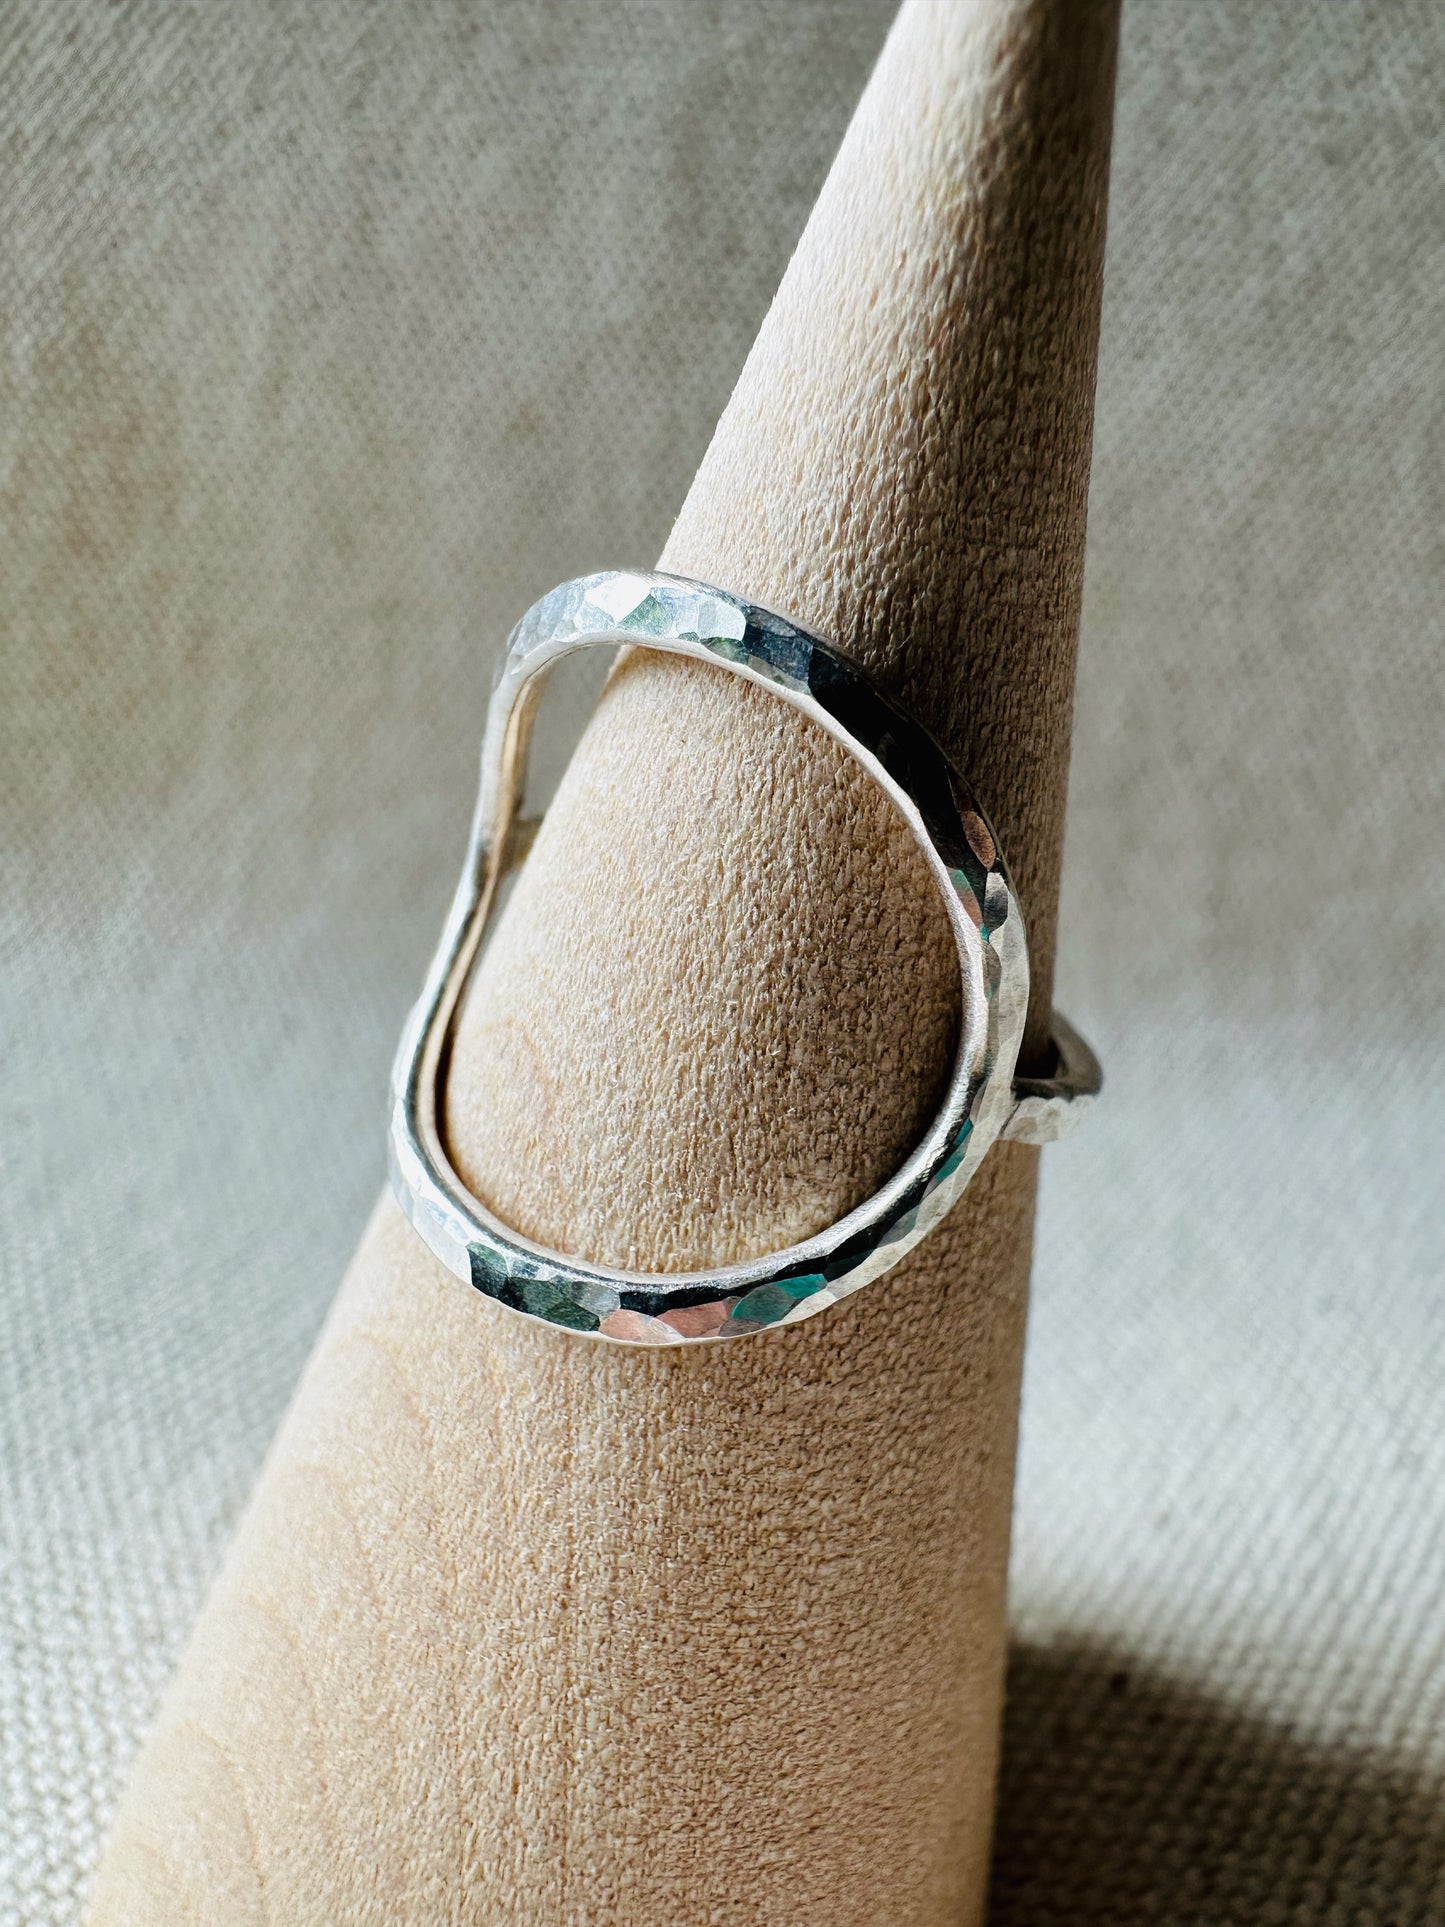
(982, 1104)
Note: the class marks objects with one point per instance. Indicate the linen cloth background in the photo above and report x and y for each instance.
(332, 336)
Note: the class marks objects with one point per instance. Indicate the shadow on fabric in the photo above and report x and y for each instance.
(1126, 1798)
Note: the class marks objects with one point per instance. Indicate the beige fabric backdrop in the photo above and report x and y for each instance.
(332, 336)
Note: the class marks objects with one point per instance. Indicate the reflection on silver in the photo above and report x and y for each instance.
(984, 1101)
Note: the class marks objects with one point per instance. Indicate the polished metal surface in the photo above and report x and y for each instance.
(984, 1102)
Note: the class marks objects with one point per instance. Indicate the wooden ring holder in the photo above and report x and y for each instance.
(520, 1629)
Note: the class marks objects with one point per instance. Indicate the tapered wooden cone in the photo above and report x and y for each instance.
(524, 1629)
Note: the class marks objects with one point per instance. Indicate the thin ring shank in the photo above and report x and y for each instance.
(687, 618)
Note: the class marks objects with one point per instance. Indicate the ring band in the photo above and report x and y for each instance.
(984, 1101)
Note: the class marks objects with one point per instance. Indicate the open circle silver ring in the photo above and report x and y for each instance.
(985, 1101)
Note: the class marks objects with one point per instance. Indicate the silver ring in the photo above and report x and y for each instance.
(985, 1102)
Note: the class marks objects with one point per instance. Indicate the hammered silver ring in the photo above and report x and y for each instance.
(985, 1101)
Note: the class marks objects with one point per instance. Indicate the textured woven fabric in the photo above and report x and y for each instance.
(332, 337)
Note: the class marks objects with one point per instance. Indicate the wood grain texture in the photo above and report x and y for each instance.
(520, 1629)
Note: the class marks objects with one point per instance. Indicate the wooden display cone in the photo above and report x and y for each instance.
(520, 1628)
